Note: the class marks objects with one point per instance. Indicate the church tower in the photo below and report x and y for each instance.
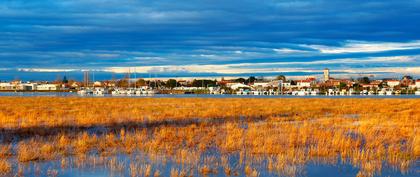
(326, 74)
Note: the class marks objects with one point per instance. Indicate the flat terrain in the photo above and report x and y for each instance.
(207, 136)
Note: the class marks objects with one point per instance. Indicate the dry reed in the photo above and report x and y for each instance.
(287, 133)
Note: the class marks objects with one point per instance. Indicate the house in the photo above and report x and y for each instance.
(97, 84)
(7, 86)
(75, 85)
(286, 84)
(183, 82)
(304, 83)
(16, 82)
(17, 85)
(418, 83)
(188, 88)
(373, 84)
(376, 82)
(224, 82)
(406, 81)
(412, 86)
(27, 86)
(235, 86)
(393, 83)
(46, 87)
(275, 84)
(261, 84)
(112, 84)
(370, 86)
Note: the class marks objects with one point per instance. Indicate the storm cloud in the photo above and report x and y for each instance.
(209, 37)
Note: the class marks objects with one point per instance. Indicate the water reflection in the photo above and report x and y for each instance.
(208, 137)
(247, 147)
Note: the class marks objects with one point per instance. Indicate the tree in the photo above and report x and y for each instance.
(171, 83)
(153, 83)
(382, 85)
(203, 83)
(122, 83)
(65, 81)
(342, 85)
(241, 80)
(251, 79)
(357, 87)
(141, 82)
(364, 80)
(281, 77)
(407, 77)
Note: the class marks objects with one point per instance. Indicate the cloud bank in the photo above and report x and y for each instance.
(209, 37)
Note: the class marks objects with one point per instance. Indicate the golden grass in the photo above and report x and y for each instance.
(56, 112)
(5, 150)
(157, 173)
(285, 133)
(5, 167)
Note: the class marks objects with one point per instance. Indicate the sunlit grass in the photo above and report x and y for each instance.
(5, 167)
(281, 134)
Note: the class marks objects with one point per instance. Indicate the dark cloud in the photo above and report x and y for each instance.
(105, 33)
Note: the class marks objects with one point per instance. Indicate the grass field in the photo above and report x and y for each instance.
(248, 135)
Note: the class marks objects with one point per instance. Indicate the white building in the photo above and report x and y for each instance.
(261, 84)
(7, 86)
(287, 84)
(393, 83)
(27, 86)
(186, 88)
(74, 85)
(97, 84)
(235, 86)
(303, 83)
(17, 86)
(45, 87)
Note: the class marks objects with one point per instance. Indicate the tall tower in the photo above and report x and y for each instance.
(326, 74)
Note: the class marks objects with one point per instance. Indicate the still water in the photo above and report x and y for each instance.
(137, 164)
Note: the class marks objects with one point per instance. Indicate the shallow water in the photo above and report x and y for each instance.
(258, 162)
(130, 165)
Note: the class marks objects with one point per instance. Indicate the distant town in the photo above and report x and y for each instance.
(280, 85)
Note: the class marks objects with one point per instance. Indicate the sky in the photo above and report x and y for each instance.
(46, 39)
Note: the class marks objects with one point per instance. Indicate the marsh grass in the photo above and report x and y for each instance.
(281, 134)
(5, 167)
(5, 150)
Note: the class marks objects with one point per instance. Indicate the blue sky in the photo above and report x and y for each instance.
(45, 38)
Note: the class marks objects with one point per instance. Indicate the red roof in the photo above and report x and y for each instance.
(304, 80)
(369, 85)
(375, 82)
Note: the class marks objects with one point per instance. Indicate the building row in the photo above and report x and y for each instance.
(28, 86)
(331, 83)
